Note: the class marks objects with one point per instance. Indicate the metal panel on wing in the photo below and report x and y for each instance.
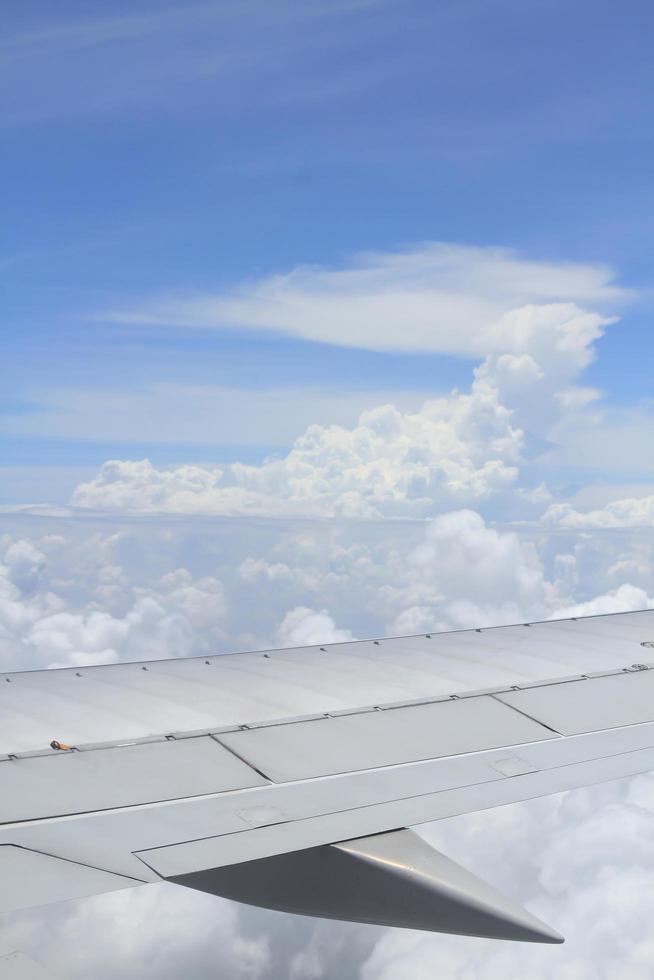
(589, 705)
(303, 750)
(77, 782)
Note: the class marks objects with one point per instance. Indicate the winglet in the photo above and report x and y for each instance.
(392, 879)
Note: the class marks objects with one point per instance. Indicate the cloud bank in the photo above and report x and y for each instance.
(76, 592)
(523, 321)
(628, 512)
(460, 448)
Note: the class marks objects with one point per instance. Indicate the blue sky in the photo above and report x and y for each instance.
(162, 148)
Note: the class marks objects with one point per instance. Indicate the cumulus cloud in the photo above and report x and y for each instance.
(466, 573)
(462, 448)
(305, 627)
(625, 598)
(455, 571)
(531, 326)
(437, 297)
(465, 448)
(24, 565)
(147, 587)
(175, 616)
(628, 512)
(159, 932)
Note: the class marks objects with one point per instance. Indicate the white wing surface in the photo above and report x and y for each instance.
(288, 778)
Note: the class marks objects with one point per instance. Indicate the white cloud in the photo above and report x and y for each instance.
(623, 599)
(462, 448)
(468, 574)
(628, 512)
(159, 587)
(159, 932)
(25, 565)
(436, 297)
(258, 570)
(39, 627)
(306, 627)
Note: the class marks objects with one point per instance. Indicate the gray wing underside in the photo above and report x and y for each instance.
(205, 771)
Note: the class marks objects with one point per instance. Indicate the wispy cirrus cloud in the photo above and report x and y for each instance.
(174, 57)
(64, 36)
(437, 297)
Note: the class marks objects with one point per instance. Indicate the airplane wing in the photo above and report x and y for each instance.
(292, 778)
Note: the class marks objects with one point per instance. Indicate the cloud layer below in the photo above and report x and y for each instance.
(76, 592)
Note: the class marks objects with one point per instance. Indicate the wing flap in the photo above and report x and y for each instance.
(361, 804)
(306, 750)
(78, 782)
(596, 704)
